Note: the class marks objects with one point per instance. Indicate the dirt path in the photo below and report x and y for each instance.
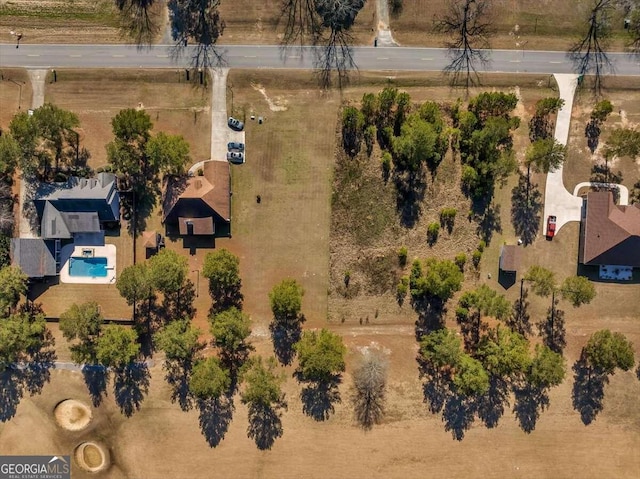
(384, 38)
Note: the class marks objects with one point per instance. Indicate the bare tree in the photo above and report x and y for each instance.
(337, 17)
(468, 25)
(301, 21)
(139, 19)
(198, 21)
(634, 31)
(588, 54)
(369, 382)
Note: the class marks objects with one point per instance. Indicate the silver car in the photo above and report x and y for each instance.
(235, 146)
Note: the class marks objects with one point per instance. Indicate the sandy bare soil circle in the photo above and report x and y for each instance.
(72, 415)
(92, 456)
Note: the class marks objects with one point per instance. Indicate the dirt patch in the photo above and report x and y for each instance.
(73, 415)
(92, 457)
(278, 105)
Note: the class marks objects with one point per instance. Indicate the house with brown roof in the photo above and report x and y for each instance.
(609, 233)
(199, 205)
(509, 258)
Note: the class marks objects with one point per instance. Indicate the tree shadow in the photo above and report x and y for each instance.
(265, 425)
(530, 401)
(225, 298)
(436, 388)
(520, 319)
(283, 340)
(410, 190)
(490, 406)
(588, 390)
(319, 398)
(38, 371)
(458, 414)
(96, 377)
(130, 386)
(489, 222)
(215, 417)
(526, 207)
(552, 330)
(592, 133)
(11, 391)
(179, 304)
(178, 375)
(431, 313)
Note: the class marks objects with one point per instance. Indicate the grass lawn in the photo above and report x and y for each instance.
(59, 21)
(532, 24)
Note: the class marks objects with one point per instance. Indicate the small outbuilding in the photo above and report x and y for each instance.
(509, 258)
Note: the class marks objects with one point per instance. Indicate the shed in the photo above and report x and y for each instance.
(509, 258)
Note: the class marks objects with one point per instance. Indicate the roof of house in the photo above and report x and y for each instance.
(197, 226)
(34, 256)
(200, 196)
(509, 258)
(61, 224)
(100, 187)
(611, 232)
(150, 239)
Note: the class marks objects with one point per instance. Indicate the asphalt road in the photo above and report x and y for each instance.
(267, 56)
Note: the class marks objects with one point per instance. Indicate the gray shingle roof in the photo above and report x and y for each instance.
(34, 256)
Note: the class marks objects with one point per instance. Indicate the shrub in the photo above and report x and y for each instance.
(460, 260)
(370, 134)
(476, 257)
(482, 245)
(447, 217)
(402, 289)
(347, 278)
(386, 164)
(200, 172)
(432, 232)
(402, 256)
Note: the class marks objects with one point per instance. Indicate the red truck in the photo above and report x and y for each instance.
(551, 226)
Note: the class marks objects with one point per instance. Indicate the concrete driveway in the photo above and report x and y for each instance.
(557, 200)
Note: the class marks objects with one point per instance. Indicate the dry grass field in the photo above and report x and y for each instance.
(290, 164)
(541, 24)
(15, 94)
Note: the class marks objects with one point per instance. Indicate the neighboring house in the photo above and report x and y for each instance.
(81, 205)
(509, 259)
(36, 257)
(76, 211)
(609, 234)
(199, 205)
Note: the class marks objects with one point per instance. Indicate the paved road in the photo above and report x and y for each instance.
(266, 56)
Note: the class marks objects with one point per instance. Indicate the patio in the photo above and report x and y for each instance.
(614, 272)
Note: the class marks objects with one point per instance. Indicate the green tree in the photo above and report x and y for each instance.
(13, 284)
(208, 379)
(25, 131)
(369, 108)
(117, 346)
(22, 337)
(168, 154)
(262, 383)
(607, 351)
(473, 305)
(547, 368)
(441, 349)
(543, 280)
(320, 355)
(504, 353)
(127, 152)
(286, 302)
(352, 130)
(9, 154)
(84, 323)
(168, 271)
(541, 126)
(418, 142)
(601, 111)
(230, 330)
(544, 155)
(623, 142)
(470, 377)
(578, 289)
(441, 279)
(222, 269)
(134, 283)
(179, 340)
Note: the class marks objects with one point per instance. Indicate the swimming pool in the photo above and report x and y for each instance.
(91, 267)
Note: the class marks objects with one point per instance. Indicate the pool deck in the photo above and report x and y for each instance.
(107, 251)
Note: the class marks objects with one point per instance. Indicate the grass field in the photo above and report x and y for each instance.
(534, 25)
(290, 164)
(15, 94)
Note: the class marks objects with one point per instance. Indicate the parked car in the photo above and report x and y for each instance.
(235, 124)
(551, 226)
(235, 157)
(235, 146)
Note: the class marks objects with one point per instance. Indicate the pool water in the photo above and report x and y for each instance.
(92, 267)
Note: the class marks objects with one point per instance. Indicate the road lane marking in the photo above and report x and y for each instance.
(32, 55)
(162, 56)
(426, 59)
(383, 58)
(294, 56)
(251, 56)
(514, 61)
(117, 56)
(555, 62)
(75, 56)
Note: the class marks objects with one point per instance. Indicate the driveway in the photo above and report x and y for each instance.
(557, 200)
